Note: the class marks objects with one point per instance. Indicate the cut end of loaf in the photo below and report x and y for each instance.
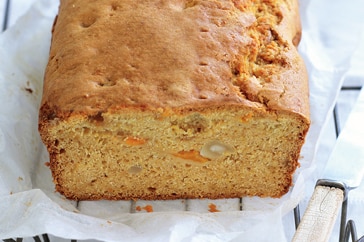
(223, 153)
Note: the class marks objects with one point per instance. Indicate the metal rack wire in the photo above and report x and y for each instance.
(347, 227)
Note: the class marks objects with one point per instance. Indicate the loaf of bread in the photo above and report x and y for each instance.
(169, 99)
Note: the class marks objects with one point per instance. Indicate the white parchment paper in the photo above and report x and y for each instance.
(29, 206)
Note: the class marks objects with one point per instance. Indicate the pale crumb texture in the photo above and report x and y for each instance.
(174, 99)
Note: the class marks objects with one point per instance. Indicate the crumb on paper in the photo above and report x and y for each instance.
(147, 208)
(48, 164)
(213, 208)
(20, 178)
(28, 90)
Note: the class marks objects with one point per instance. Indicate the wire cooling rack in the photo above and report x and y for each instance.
(347, 227)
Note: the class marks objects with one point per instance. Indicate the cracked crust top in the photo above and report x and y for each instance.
(175, 54)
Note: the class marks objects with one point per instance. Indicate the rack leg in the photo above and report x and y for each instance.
(297, 215)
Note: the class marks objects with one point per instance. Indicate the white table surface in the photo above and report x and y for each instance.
(11, 10)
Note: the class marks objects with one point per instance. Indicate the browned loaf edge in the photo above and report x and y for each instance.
(174, 99)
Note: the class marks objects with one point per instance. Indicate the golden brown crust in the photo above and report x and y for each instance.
(173, 60)
(207, 43)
